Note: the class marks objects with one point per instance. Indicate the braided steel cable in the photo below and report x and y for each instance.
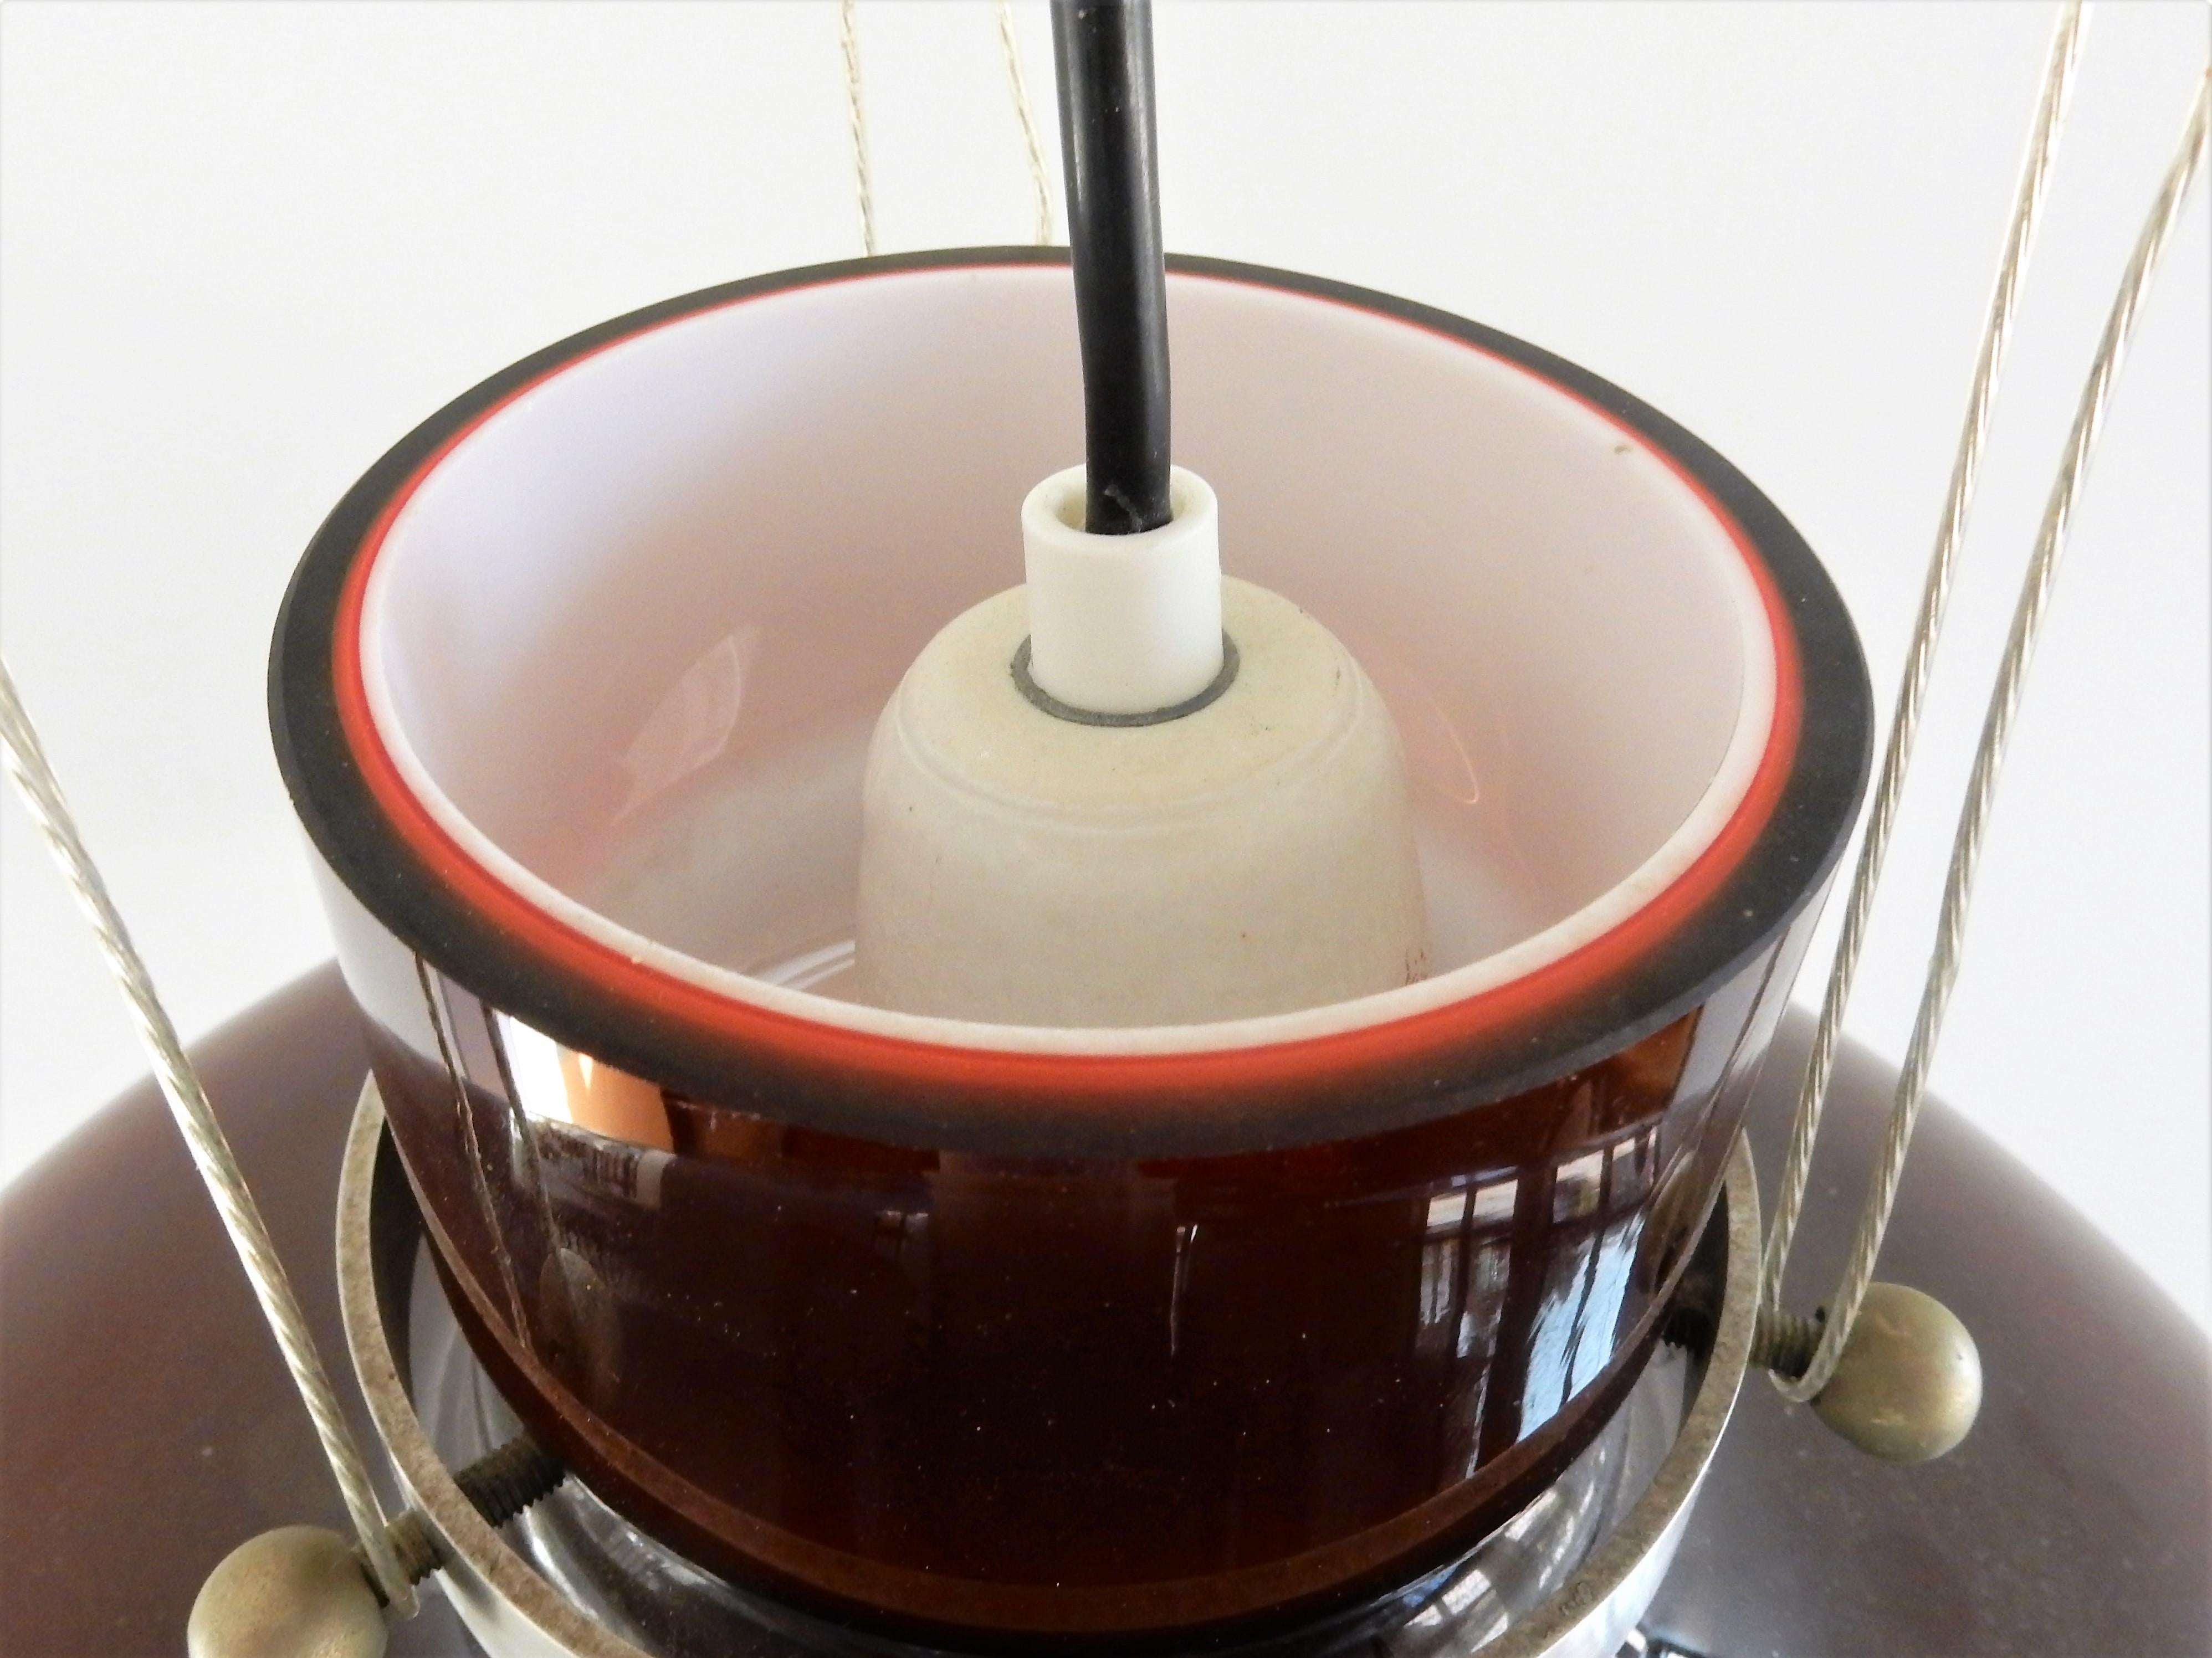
(42, 797)
(1038, 185)
(1988, 753)
(856, 112)
(1920, 655)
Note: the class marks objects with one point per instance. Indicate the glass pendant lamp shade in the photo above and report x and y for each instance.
(983, 1332)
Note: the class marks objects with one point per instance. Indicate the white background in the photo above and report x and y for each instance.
(244, 248)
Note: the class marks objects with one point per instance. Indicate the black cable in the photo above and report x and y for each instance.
(1103, 54)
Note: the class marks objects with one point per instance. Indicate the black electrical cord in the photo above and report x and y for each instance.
(1102, 55)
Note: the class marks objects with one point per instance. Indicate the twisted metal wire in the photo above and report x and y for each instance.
(1022, 113)
(1988, 752)
(856, 112)
(1920, 655)
(42, 797)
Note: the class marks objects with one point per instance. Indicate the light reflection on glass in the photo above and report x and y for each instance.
(1597, 1193)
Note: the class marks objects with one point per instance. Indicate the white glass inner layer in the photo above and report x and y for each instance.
(627, 640)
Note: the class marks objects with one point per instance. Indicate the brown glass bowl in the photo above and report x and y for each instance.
(995, 1335)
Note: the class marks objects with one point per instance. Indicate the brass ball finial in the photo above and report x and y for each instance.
(1909, 1383)
(297, 1592)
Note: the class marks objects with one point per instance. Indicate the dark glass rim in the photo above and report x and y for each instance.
(1766, 867)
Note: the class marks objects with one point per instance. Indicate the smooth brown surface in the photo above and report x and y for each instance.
(2076, 1522)
(147, 1427)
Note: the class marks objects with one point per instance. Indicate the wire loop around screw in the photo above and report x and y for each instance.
(210, 1150)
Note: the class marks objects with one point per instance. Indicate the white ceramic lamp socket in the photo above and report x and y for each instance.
(1026, 866)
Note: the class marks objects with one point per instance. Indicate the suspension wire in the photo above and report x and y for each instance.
(1904, 720)
(1038, 183)
(857, 115)
(35, 781)
(1997, 728)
